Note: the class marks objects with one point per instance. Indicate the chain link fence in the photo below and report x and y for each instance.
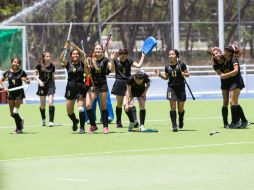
(130, 22)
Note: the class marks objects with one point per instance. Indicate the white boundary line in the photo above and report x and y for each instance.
(155, 120)
(130, 151)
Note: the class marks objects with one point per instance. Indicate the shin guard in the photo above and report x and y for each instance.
(104, 114)
(224, 112)
(142, 115)
(51, 113)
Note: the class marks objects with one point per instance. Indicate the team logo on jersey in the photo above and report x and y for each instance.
(98, 70)
(68, 93)
(42, 91)
(74, 70)
(13, 81)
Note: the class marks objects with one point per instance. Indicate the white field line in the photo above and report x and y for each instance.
(147, 120)
(70, 179)
(132, 150)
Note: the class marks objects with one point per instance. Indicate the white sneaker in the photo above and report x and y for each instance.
(51, 124)
(142, 128)
(43, 123)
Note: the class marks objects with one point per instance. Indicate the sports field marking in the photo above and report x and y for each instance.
(70, 179)
(147, 120)
(132, 150)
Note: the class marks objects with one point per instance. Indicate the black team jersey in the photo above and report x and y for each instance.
(175, 74)
(123, 69)
(137, 89)
(100, 72)
(46, 74)
(75, 72)
(14, 78)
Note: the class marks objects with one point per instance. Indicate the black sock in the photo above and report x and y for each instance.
(91, 117)
(130, 116)
(173, 117)
(51, 113)
(181, 116)
(73, 117)
(234, 113)
(104, 114)
(224, 111)
(134, 113)
(241, 114)
(118, 114)
(18, 120)
(43, 115)
(142, 115)
(82, 120)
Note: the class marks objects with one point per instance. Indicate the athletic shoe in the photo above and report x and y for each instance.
(105, 130)
(244, 124)
(92, 129)
(81, 131)
(17, 131)
(136, 124)
(142, 128)
(236, 125)
(51, 124)
(119, 125)
(43, 123)
(75, 125)
(226, 126)
(131, 126)
(175, 128)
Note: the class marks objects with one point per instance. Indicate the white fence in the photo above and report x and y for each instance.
(203, 82)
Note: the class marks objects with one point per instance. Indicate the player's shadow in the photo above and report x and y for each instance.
(98, 133)
(24, 133)
(186, 130)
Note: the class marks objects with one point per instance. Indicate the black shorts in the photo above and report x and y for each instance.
(46, 90)
(75, 91)
(119, 87)
(16, 95)
(137, 92)
(102, 87)
(226, 84)
(231, 85)
(176, 93)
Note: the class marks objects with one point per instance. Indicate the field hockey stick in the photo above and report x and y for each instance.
(189, 89)
(68, 40)
(82, 46)
(106, 44)
(17, 88)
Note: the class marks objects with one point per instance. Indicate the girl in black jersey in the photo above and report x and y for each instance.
(219, 67)
(99, 68)
(44, 75)
(15, 77)
(122, 67)
(236, 83)
(175, 72)
(75, 89)
(137, 86)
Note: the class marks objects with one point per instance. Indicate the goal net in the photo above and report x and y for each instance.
(12, 43)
